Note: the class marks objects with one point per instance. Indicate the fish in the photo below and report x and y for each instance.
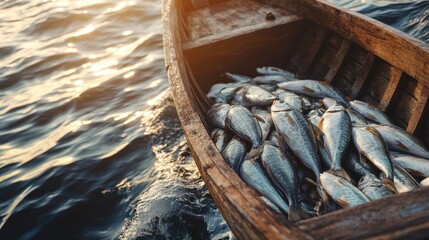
(372, 187)
(398, 139)
(355, 117)
(314, 89)
(370, 112)
(342, 191)
(238, 77)
(220, 138)
(226, 95)
(243, 124)
(215, 90)
(265, 121)
(217, 114)
(279, 92)
(404, 182)
(416, 166)
(370, 144)
(271, 204)
(234, 152)
(283, 173)
(256, 96)
(274, 71)
(356, 165)
(294, 100)
(298, 134)
(329, 102)
(268, 87)
(314, 116)
(272, 79)
(253, 174)
(238, 99)
(337, 129)
(425, 182)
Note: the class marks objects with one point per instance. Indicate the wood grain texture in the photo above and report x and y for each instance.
(338, 60)
(312, 52)
(363, 74)
(392, 90)
(419, 112)
(395, 47)
(402, 216)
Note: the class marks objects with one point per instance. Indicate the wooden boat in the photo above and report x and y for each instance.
(364, 58)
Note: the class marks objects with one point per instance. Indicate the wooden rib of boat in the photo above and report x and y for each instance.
(364, 58)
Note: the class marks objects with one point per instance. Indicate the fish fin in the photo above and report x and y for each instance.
(254, 153)
(390, 185)
(320, 125)
(296, 214)
(310, 181)
(259, 118)
(341, 173)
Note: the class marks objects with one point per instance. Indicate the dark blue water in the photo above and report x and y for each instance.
(90, 144)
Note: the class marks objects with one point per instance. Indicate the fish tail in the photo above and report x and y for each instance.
(254, 153)
(390, 185)
(341, 173)
(297, 213)
(328, 205)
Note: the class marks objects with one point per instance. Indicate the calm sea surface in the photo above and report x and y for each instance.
(90, 143)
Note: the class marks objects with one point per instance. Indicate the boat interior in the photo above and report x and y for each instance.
(239, 35)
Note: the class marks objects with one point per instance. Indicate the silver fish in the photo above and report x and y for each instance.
(252, 173)
(369, 143)
(241, 122)
(342, 191)
(398, 139)
(370, 112)
(216, 116)
(404, 182)
(294, 100)
(268, 87)
(313, 88)
(417, 166)
(372, 187)
(337, 129)
(355, 117)
(329, 102)
(220, 138)
(425, 182)
(314, 116)
(238, 98)
(226, 94)
(215, 90)
(354, 164)
(274, 71)
(297, 132)
(283, 173)
(265, 121)
(238, 77)
(234, 152)
(272, 79)
(256, 96)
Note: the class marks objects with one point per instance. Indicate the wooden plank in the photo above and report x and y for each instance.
(401, 216)
(395, 47)
(392, 90)
(338, 61)
(363, 74)
(312, 52)
(419, 112)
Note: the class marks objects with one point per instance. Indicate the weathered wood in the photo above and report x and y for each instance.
(402, 216)
(357, 86)
(419, 112)
(395, 47)
(338, 61)
(391, 92)
(312, 52)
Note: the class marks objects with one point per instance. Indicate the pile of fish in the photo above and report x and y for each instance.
(308, 149)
